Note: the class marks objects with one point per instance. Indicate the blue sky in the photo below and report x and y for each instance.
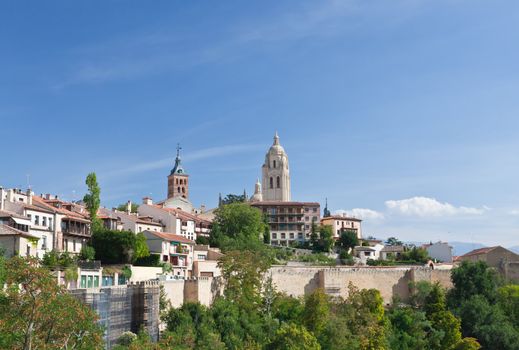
(403, 112)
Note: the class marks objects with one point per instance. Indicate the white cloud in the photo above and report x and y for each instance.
(514, 212)
(361, 213)
(424, 206)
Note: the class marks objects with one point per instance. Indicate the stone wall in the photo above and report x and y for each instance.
(390, 281)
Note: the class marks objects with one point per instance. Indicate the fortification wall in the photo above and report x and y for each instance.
(174, 292)
(390, 281)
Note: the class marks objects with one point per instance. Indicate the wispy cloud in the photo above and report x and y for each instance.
(429, 207)
(201, 154)
(164, 50)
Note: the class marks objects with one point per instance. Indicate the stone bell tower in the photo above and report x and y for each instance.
(276, 174)
(178, 180)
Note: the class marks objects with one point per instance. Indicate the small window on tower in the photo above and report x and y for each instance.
(271, 183)
(278, 184)
(274, 164)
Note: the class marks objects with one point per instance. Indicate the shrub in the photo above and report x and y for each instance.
(87, 253)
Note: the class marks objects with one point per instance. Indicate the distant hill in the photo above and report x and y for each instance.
(515, 249)
(460, 248)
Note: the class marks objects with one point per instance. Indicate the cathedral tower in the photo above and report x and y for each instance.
(276, 174)
(178, 180)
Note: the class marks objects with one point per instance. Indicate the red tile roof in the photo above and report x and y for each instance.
(171, 237)
(40, 202)
(182, 214)
(480, 251)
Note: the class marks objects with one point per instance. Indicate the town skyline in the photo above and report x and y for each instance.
(403, 122)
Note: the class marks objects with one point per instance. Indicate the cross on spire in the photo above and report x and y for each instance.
(178, 150)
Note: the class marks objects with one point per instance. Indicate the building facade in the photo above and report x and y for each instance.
(343, 223)
(289, 222)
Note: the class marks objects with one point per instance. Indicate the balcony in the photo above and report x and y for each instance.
(175, 249)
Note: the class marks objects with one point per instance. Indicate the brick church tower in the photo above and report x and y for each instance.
(178, 180)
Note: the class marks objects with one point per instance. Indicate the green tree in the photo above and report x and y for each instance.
(141, 247)
(415, 254)
(468, 344)
(508, 297)
(393, 241)
(292, 336)
(243, 272)
(409, 329)
(238, 226)
(316, 312)
(234, 198)
(325, 241)
(134, 208)
(36, 313)
(442, 320)
(488, 323)
(93, 200)
(87, 253)
(114, 247)
(367, 319)
(287, 309)
(472, 278)
(348, 240)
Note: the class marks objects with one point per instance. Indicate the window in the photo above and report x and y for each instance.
(28, 253)
(352, 224)
(307, 218)
(50, 223)
(314, 210)
(65, 244)
(300, 235)
(140, 228)
(278, 184)
(307, 209)
(43, 221)
(29, 216)
(44, 242)
(74, 245)
(201, 257)
(307, 227)
(274, 235)
(292, 235)
(271, 182)
(283, 235)
(36, 219)
(274, 164)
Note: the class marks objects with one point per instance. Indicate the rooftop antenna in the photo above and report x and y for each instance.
(28, 181)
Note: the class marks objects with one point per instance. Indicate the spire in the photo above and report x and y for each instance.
(326, 212)
(245, 199)
(276, 138)
(178, 164)
(220, 202)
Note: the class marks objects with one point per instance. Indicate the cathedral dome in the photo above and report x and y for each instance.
(276, 148)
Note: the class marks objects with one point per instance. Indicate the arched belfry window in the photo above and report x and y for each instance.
(271, 182)
(178, 189)
(278, 184)
(274, 164)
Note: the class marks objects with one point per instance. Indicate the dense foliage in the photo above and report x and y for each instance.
(36, 313)
(93, 199)
(119, 247)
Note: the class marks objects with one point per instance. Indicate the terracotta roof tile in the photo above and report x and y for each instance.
(480, 251)
(171, 237)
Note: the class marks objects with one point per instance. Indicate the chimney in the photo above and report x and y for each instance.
(129, 207)
(147, 201)
(29, 194)
(47, 196)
